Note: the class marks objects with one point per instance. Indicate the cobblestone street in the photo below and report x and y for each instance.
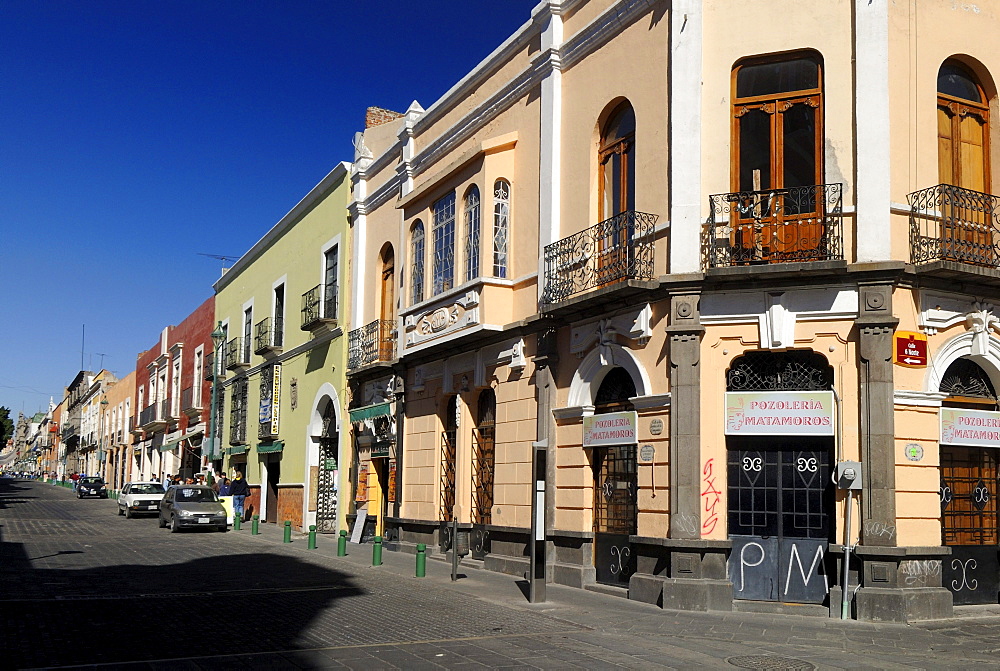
(82, 586)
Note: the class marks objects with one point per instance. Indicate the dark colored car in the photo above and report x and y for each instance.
(91, 486)
(192, 506)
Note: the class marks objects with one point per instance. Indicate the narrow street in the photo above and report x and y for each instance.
(82, 586)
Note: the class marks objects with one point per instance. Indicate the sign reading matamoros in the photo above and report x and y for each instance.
(613, 428)
(779, 413)
(970, 427)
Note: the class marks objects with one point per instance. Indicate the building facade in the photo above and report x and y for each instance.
(114, 435)
(282, 400)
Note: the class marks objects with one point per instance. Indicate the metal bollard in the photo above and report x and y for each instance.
(312, 537)
(421, 560)
(377, 552)
(255, 525)
(237, 519)
(342, 544)
(288, 531)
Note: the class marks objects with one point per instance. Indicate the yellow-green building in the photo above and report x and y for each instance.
(282, 390)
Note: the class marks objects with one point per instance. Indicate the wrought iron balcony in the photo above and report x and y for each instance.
(148, 415)
(264, 431)
(615, 250)
(949, 223)
(370, 343)
(235, 355)
(317, 313)
(188, 403)
(265, 339)
(797, 224)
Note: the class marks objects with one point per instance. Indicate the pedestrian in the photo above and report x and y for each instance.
(225, 489)
(75, 478)
(201, 478)
(240, 491)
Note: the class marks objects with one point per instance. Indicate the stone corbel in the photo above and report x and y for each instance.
(981, 321)
(633, 325)
(777, 324)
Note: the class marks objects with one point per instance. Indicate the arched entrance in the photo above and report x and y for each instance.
(483, 462)
(326, 482)
(969, 427)
(616, 507)
(780, 439)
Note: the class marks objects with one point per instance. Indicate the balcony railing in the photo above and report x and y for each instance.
(148, 415)
(949, 223)
(797, 224)
(617, 249)
(235, 355)
(370, 343)
(188, 401)
(317, 312)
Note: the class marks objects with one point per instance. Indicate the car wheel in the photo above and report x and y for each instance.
(163, 522)
(121, 511)
(174, 525)
(79, 495)
(128, 513)
(224, 528)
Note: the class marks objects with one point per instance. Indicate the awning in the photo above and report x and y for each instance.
(370, 412)
(167, 447)
(237, 449)
(267, 448)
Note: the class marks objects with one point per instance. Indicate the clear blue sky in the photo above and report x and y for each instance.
(135, 134)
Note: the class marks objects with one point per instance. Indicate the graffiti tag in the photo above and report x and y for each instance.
(711, 496)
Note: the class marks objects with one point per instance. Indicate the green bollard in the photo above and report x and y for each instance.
(255, 525)
(237, 518)
(288, 531)
(377, 552)
(342, 544)
(421, 560)
(312, 537)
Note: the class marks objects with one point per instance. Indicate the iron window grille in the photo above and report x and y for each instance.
(472, 234)
(238, 413)
(794, 370)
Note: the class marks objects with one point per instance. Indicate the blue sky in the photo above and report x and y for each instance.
(136, 134)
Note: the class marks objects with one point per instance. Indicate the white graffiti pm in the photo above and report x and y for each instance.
(794, 554)
(966, 566)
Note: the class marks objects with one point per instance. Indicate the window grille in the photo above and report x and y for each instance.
(472, 233)
(238, 413)
(501, 226)
(444, 243)
(798, 370)
(417, 260)
(964, 377)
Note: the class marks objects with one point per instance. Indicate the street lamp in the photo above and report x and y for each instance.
(218, 336)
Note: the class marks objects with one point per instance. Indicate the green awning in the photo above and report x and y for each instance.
(166, 447)
(370, 412)
(237, 449)
(266, 448)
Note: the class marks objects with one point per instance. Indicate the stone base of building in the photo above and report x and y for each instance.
(403, 535)
(681, 574)
(902, 584)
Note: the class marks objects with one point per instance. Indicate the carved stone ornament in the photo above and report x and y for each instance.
(633, 325)
(875, 300)
(442, 319)
(981, 321)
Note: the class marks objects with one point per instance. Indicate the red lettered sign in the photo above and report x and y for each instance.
(910, 350)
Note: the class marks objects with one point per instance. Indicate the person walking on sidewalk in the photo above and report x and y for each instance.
(240, 491)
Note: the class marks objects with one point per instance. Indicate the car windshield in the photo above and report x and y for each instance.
(146, 489)
(196, 495)
(93, 481)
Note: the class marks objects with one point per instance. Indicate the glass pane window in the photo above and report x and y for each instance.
(617, 163)
(330, 279)
(472, 217)
(501, 226)
(444, 243)
(417, 261)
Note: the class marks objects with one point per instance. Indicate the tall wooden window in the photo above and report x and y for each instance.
(388, 307)
(330, 280)
(963, 129)
(417, 262)
(617, 163)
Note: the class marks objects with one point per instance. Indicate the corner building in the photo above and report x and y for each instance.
(705, 269)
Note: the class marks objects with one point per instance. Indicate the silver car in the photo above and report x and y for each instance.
(140, 497)
(192, 506)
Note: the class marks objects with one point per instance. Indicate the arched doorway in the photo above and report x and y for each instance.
(616, 507)
(779, 444)
(483, 462)
(326, 484)
(969, 483)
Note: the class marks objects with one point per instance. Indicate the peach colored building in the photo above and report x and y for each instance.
(735, 277)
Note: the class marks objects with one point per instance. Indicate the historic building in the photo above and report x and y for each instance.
(114, 437)
(171, 401)
(71, 444)
(739, 291)
(282, 400)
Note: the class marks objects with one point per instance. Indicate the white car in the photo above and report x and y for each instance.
(140, 497)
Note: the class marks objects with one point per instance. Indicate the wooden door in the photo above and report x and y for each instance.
(387, 311)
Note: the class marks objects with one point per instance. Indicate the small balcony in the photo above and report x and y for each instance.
(949, 224)
(799, 224)
(616, 250)
(234, 355)
(371, 343)
(316, 313)
(151, 417)
(267, 340)
(189, 406)
(210, 366)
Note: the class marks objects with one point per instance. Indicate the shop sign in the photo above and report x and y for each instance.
(910, 349)
(392, 481)
(361, 496)
(613, 428)
(380, 451)
(979, 428)
(779, 413)
(329, 464)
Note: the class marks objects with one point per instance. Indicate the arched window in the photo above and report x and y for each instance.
(472, 234)
(501, 226)
(617, 163)
(444, 243)
(963, 129)
(417, 262)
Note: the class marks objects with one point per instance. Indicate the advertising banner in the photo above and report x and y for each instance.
(978, 428)
(779, 413)
(613, 428)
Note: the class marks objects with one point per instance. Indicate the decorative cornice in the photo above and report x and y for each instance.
(930, 399)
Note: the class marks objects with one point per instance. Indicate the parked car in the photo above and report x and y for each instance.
(192, 506)
(140, 497)
(91, 486)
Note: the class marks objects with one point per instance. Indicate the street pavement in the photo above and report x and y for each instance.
(81, 586)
